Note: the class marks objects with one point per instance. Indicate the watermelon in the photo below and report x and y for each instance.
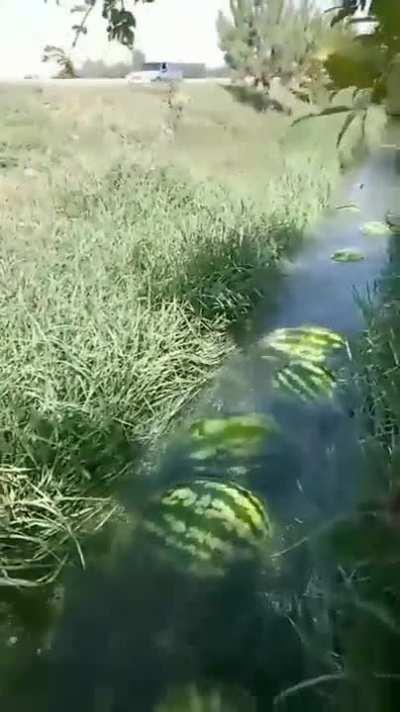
(299, 356)
(306, 342)
(238, 435)
(205, 525)
(375, 228)
(306, 380)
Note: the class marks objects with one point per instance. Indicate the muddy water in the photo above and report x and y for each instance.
(127, 637)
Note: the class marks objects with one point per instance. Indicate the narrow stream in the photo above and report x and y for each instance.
(168, 630)
(315, 290)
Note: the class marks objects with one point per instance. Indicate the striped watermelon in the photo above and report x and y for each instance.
(206, 525)
(309, 343)
(238, 435)
(307, 381)
(299, 357)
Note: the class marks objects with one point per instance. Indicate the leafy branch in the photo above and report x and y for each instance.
(121, 27)
(364, 118)
(62, 59)
(121, 21)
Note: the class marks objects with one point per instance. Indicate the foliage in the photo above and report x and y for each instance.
(138, 60)
(366, 548)
(349, 207)
(120, 284)
(361, 63)
(362, 125)
(269, 38)
(64, 61)
(377, 358)
(218, 72)
(98, 69)
(195, 698)
(176, 101)
(117, 328)
(121, 21)
(368, 60)
(374, 227)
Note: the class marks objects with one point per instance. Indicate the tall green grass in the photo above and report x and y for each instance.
(119, 282)
(109, 330)
(362, 600)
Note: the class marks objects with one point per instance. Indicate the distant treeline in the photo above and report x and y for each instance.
(101, 70)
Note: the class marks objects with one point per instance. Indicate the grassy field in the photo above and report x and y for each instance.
(127, 252)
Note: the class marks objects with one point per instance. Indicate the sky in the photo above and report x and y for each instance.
(174, 30)
(170, 30)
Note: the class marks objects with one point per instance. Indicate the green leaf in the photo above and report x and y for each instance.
(341, 15)
(80, 28)
(325, 112)
(8, 161)
(347, 123)
(367, 19)
(393, 221)
(348, 207)
(347, 256)
(375, 228)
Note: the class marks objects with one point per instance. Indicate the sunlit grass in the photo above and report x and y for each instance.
(119, 281)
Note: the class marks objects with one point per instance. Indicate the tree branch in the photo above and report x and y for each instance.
(81, 28)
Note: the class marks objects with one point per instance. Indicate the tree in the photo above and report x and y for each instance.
(121, 24)
(97, 69)
(121, 21)
(267, 38)
(138, 60)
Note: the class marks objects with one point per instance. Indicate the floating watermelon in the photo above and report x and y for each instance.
(312, 343)
(237, 435)
(306, 380)
(205, 525)
(375, 227)
(299, 357)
